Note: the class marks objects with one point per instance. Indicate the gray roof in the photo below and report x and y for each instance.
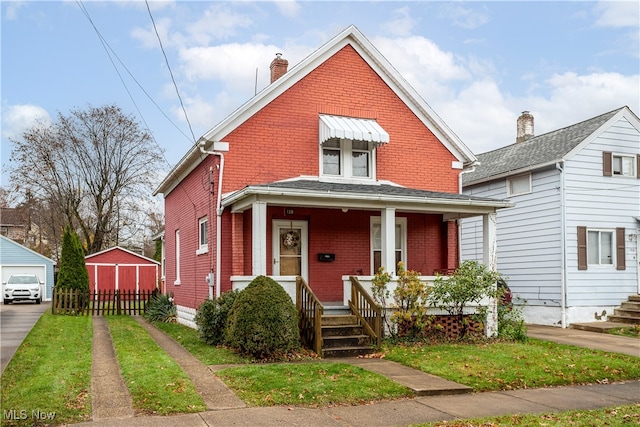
(366, 189)
(536, 151)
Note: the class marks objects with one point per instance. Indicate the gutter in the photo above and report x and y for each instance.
(219, 147)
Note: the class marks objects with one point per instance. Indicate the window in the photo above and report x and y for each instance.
(203, 240)
(177, 252)
(620, 164)
(520, 184)
(347, 158)
(601, 248)
(376, 243)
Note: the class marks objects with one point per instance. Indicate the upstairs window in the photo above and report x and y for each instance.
(620, 164)
(520, 184)
(347, 159)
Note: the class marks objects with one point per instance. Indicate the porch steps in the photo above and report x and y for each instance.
(628, 312)
(342, 336)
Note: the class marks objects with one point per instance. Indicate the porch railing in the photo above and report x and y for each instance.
(309, 315)
(369, 314)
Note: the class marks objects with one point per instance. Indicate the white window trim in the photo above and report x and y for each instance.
(346, 165)
(177, 253)
(202, 248)
(402, 222)
(634, 172)
(613, 263)
(512, 178)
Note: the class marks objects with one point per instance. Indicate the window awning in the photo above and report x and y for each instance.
(351, 128)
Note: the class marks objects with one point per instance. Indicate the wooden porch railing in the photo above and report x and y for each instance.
(309, 315)
(369, 314)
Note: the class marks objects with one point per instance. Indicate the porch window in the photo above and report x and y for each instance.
(203, 246)
(346, 158)
(376, 243)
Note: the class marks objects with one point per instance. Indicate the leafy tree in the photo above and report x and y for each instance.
(73, 271)
(470, 283)
(95, 167)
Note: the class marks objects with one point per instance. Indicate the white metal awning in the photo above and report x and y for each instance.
(351, 128)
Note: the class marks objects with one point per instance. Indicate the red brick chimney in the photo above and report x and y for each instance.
(278, 67)
(525, 127)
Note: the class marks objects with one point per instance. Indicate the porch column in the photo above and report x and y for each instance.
(388, 234)
(489, 241)
(490, 259)
(259, 238)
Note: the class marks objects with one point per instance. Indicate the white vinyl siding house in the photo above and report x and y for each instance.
(578, 204)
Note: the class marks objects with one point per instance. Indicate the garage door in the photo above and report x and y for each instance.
(7, 271)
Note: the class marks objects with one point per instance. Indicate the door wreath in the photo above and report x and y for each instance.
(290, 239)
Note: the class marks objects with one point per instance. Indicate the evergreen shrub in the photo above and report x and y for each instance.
(263, 321)
(211, 317)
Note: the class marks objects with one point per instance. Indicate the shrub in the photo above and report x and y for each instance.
(263, 321)
(470, 283)
(161, 309)
(511, 322)
(212, 316)
(409, 319)
(73, 271)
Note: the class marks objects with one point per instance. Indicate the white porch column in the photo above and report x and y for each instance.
(489, 241)
(490, 259)
(259, 238)
(388, 234)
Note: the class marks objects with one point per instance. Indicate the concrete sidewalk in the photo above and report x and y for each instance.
(437, 399)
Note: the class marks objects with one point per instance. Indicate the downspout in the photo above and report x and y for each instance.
(563, 272)
(219, 210)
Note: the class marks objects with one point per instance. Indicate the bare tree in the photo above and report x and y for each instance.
(88, 165)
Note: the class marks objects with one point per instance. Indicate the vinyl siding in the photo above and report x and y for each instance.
(529, 238)
(602, 202)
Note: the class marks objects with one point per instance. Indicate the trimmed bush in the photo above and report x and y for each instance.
(73, 270)
(212, 316)
(263, 321)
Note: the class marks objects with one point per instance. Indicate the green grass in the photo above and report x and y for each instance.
(506, 366)
(316, 384)
(207, 354)
(630, 331)
(50, 373)
(626, 415)
(156, 382)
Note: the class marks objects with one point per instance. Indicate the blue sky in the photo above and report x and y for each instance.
(477, 64)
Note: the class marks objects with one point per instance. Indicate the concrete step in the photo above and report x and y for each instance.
(635, 298)
(598, 326)
(627, 312)
(629, 320)
(631, 305)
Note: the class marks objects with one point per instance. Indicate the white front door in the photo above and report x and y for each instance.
(290, 248)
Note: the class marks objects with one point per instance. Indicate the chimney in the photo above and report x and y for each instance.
(278, 67)
(525, 127)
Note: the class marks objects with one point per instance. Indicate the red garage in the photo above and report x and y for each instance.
(123, 270)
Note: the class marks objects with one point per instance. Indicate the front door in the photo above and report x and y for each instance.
(290, 248)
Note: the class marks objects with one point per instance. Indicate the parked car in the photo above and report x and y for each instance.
(22, 287)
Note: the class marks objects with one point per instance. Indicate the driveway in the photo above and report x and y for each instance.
(16, 320)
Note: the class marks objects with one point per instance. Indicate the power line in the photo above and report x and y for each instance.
(170, 72)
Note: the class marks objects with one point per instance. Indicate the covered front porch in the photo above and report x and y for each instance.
(326, 232)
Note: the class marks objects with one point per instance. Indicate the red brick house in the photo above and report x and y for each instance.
(334, 169)
(120, 269)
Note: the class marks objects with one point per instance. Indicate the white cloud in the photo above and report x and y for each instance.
(11, 9)
(289, 8)
(465, 17)
(216, 23)
(401, 24)
(18, 118)
(618, 14)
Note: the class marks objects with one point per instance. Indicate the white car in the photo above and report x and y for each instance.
(22, 287)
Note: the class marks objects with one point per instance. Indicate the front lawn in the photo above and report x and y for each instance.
(508, 365)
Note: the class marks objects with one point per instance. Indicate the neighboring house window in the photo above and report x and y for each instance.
(177, 251)
(347, 158)
(376, 243)
(203, 240)
(601, 248)
(620, 164)
(520, 184)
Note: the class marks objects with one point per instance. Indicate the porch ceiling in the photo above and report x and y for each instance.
(332, 195)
